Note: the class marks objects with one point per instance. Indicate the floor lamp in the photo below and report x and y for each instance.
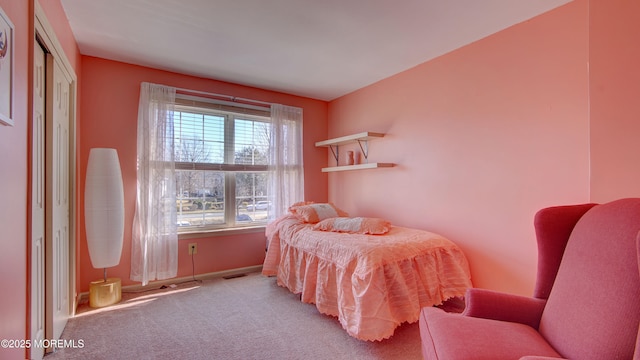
(104, 222)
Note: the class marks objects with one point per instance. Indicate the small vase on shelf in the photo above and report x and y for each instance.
(356, 158)
(350, 160)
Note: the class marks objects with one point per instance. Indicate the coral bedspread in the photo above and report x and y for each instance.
(372, 283)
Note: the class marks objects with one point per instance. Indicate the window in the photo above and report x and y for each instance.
(221, 154)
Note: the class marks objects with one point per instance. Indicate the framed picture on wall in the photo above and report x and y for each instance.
(6, 69)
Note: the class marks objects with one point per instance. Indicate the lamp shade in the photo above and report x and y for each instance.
(104, 208)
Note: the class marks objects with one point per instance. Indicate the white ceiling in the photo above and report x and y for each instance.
(321, 49)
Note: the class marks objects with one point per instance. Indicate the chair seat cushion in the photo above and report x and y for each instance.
(453, 336)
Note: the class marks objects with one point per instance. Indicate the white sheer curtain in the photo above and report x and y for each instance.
(286, 175)
(154, 246)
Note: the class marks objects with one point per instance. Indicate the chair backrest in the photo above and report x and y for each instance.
(593, 310)
(554, 226)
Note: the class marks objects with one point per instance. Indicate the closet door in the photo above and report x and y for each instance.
(38, 203)
(58, 199)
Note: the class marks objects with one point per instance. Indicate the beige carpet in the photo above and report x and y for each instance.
(248, 317)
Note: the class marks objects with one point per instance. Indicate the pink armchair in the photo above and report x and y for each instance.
(586, 302)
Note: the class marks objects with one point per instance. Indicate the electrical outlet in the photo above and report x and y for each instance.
(193, 248)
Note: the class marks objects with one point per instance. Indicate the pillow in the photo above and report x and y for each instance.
(312, 213)
(357, 225)
(299, 203)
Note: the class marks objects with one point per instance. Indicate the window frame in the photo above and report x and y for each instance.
(230, 112)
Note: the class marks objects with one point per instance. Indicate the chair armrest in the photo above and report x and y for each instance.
(494, 305)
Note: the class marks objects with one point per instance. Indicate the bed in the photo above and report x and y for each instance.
(371, 282)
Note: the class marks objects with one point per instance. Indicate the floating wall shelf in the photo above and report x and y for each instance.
(363, 140)
(356, 167)
(363, 136)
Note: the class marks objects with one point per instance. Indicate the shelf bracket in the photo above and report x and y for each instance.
(364, 146)
(335, 152)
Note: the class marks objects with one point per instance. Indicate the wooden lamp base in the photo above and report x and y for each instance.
(105, 292)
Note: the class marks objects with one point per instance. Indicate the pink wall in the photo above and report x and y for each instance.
(614, 57)
(110, 94)
(13, 177)
(482, 137)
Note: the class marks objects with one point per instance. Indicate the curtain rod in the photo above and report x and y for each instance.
(224, 97)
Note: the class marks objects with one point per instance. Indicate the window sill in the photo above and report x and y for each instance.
(221, 232)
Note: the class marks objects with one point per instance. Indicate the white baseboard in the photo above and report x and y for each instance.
(84, 296)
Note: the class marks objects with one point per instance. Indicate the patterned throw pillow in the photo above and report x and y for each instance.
(357, 225)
